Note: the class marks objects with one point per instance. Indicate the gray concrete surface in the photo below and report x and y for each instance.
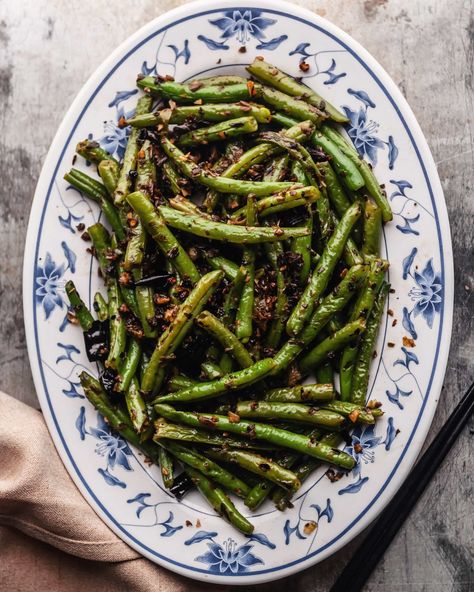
(48, 48)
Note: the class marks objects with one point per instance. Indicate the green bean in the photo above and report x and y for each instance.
(268, 74)
(81, 312)
(101, 241)
(261, 431)
(288, 105)
(207, 467)
(178, 328)
(325, 373)
(230, 268)
(296, 197)
(166, 467)
(226, 338)
(331, 344)
(321, 275)
(339, 200)
(243, 235)
(265, 410)
(97, 192)
(277, 169)
(154, 223)
(244, 317)
(222, 184)
(186, 206)
(109, 171)
(372, 229)
(300, 394)
(100, 307)
(182, 433)
(211, 370)
(172, 176)
(274, 252)
(283, 119)
(185, 93)
(302, 245)
(129, 366)
(282, 498)
(230, 128)
(325, 311)
(219, 80)
(117, 419)
(136, 407)
(370, 181)
(257, 464)
(179, 382)
(130, 157)
(118, 334)
(91, 150)
(212, 113)
(233, 381)
(360, 376)
(341, 162)
(356, 413)
(362, 308)
(219, 500)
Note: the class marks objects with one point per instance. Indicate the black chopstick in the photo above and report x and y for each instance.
(364, 560)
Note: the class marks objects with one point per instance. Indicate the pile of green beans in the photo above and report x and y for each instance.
(242, 269)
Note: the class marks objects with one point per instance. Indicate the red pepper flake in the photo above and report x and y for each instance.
(304, 67)
(222, 135)
(242, 49)
(198, 523)
(394, 322)
(71, 317)
(161, 299)
(122, 122)
(357, 448)
(141, 154)
(353, 416)
(390, 312)
(125, 279)
(260, 58)
(310, 527)
(251, 87)
(188, 523)
(195, 85)
(233, 417)
(390, 344)
(408, 341)
(333, 475)
(198, 102)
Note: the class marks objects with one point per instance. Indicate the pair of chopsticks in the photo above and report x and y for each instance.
(364, 560)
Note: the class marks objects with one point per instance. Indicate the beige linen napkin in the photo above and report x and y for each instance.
(50, 538)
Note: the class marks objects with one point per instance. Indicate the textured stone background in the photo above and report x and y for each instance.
(48, 48)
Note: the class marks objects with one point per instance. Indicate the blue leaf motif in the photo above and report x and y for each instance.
(392, 152)
(122, 95)
(273, 43)
(332, 76)
(408, 323)
(201, 535)
(409, 358)
(146, 70)
(354, 487)
(69, 349)
(184, 53)
(211, 44)
(391, 434)
(67, 222)
(110, 479)
(289, 530)
(407, 263)
(401, 185)
(395, 397)
(362, 96)
(81, 423)
(72, 391)
(70, 256)
(301, 49)
(140, 498)
(406, 228)
(169, 529)
(262, 539)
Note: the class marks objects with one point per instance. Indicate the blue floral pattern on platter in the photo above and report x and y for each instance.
(123, 485)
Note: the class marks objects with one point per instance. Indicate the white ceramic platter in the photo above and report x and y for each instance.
(200, 39)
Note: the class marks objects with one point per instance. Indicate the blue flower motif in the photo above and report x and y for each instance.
(48, 283)
(228, 557)
(361, 132)
(115, 139)
(363, 442)
(243, 25)
(111, 446)
(428, 296)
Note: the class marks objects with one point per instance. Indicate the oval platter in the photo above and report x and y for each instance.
(200, 39)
